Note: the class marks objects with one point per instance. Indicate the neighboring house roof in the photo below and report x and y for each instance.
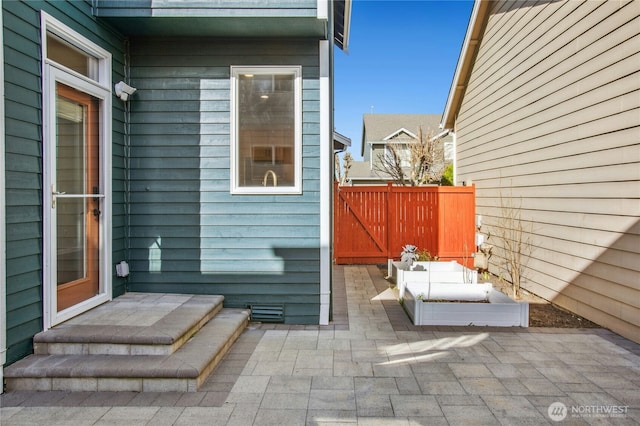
(470, 46)
(340, 142)
(383, 127)
(361, 172)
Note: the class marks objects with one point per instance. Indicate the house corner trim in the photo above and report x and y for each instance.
(326, 150)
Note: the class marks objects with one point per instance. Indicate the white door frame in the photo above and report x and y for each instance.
(53, 73)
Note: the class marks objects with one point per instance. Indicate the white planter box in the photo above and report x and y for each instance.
(501, 311)
(426, 272)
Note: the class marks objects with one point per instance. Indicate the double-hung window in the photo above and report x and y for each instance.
(266, 130)
(398, 153)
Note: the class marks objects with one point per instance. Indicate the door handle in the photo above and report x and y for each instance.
(54, 194)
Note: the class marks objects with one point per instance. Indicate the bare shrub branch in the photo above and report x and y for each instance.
(415, 163)
(342, 169)
(515, 241)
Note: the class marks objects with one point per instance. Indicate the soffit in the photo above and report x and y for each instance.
(220, 26)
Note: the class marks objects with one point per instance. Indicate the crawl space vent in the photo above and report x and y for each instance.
(267, 313)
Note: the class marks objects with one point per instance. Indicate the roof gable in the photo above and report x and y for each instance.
(398, 134)
(381, 127)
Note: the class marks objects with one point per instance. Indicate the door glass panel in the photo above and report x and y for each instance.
(77, 200)
(70, 214)
(71, 152)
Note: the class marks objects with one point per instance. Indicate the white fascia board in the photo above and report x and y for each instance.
(342, 139)
(442, 134)
(397, 132)
(461, 60)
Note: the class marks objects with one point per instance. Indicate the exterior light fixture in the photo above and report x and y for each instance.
(123, 90)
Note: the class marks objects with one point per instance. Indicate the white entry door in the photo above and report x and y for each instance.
(77, 190)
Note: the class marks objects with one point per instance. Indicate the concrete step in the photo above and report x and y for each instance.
(132, 324)
(181, 371)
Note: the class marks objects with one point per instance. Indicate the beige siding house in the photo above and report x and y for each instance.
(545, 108)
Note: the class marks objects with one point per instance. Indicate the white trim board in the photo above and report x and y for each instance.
(3, 236)
(326, 186)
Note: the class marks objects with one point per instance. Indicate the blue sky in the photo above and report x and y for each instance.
(401, 60)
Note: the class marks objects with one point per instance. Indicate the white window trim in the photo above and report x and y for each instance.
(51, 24)
(53, 72)
(235, 177)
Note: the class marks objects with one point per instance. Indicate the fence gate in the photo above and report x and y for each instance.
(360, 224)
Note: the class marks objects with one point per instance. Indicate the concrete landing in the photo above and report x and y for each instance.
(132, 324)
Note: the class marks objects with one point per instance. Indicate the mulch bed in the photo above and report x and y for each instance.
(543, 313)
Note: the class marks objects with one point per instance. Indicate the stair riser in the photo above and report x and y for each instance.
(106, 384)
(102, 349)
(218, 358)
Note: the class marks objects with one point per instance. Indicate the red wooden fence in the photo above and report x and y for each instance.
(372, 223)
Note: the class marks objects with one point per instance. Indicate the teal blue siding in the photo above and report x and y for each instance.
(188, 233)
(23, 187)
(23, 150)
(252, 249)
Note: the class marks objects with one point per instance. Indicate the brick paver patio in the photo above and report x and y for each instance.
(372, 366)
